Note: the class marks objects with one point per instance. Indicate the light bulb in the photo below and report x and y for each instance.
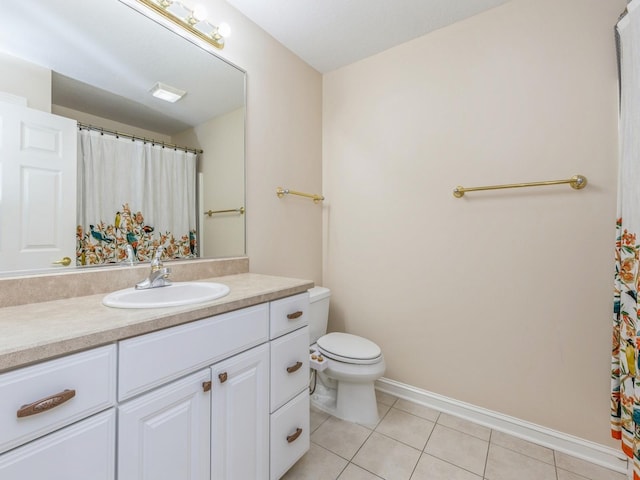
(199, 12)
(224, 30)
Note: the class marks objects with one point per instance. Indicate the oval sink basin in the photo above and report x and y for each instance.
(178, 293)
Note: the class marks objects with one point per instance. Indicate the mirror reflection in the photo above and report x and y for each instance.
(95, 167)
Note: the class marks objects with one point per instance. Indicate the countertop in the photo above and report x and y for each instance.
(40, 331)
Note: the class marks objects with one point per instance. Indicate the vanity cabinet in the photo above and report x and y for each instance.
(222, 398)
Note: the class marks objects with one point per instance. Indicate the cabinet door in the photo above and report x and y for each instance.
(164, 434)
(240, 416)
(84, 450)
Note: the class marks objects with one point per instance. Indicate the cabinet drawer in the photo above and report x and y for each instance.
(289, 314)
(289, 366)
(289, 434)
(85, 450)
(90, 376)
(156, 358)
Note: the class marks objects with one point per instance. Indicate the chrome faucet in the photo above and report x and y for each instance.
(159, 273)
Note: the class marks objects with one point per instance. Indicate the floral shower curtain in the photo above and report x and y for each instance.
(625, 370)
(133, 193)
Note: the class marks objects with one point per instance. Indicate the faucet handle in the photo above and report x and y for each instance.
(131, 259)
(156, 263)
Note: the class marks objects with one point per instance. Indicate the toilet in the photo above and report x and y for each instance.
(346, 367)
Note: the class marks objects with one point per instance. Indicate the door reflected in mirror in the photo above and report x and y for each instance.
(95, 63)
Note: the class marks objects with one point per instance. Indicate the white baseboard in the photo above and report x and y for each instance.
(577, 447)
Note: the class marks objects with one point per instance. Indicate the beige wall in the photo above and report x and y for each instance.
(283, 148)
(26, 80)
(222, 166)
(499, 299)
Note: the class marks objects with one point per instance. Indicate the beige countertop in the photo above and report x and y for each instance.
(40, 331)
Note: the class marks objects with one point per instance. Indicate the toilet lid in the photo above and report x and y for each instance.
(348, 348)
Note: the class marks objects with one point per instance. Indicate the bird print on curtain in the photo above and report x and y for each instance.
(107, 242)
(625, 399)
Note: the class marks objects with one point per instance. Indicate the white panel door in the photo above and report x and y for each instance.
(240, 416)
(37, 188)
(165, 434)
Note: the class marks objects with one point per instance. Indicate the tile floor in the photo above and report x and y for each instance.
(413, 442)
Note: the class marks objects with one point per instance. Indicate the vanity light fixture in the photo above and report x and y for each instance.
(167, 92)
(192, 20)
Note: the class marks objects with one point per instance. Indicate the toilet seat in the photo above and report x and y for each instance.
(347, 348)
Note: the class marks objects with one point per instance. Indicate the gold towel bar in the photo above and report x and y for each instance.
(577, 182)
(232, 210)
(281, 192)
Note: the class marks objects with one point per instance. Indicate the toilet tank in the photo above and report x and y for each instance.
(319, 306)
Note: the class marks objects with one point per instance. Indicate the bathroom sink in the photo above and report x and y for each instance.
(178, 293)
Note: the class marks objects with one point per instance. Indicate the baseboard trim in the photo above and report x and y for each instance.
(578, 447)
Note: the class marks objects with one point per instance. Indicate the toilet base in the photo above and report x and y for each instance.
(353, 402)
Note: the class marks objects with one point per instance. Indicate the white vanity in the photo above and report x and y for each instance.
(221, 397)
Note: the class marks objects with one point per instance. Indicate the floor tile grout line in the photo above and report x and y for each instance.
(371, 432)
(465, 432)
(573, 473)
(421, 450)
(486, 458)
(553, 464)
(491, 441)
(343, 469)
(368, 471)
(366, 439)
(414, 415)
(452, 464)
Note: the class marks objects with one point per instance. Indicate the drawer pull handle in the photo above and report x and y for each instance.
(223, 377)
(206, 386)
(46, 403)
(294, 368)
(294, 315)
(294, 436)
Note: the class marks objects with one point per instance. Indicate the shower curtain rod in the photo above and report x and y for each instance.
(87, 126)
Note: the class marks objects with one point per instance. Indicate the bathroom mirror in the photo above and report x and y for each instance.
(104, 58)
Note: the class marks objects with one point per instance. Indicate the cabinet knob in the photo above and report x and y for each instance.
(294, 436)
(206, 386)
(45, 404)
(294, 315)
(294, 368)
(223, 377)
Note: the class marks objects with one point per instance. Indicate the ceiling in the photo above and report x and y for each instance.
(113, 73)
(330, 34)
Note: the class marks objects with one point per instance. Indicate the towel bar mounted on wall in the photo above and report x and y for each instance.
(231, 210)
(577, 182)
(281, 192)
